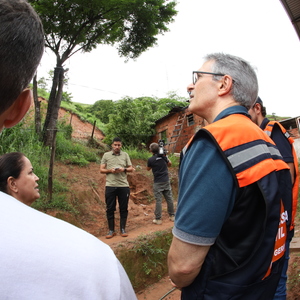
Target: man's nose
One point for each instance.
(190, 87)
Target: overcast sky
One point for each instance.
(258, 30)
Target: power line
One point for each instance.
(93, 88)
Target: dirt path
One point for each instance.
(133, 234)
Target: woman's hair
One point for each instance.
(11, 164)
(245, 84)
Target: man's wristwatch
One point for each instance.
(125, 170)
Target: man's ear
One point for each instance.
(225, 85)
(257, 108)
(17, 111)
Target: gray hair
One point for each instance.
(154, 147)
(245, 85)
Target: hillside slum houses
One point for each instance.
(179, 125)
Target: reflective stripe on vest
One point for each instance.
(279, 247)
(252, 155)
(268, 130)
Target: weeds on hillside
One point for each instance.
(23, 138)
(149, 253)
(82, 113)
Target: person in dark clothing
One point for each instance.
(159, 165)
(284, 143)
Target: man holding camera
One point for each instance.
(159, 164)
(115, 164)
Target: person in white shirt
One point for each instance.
(42, 257)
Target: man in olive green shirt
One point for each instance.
(115, 164)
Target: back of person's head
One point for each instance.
(263, 108)
(11, 165)
(245, 84)
(154, 148)
(21, 48)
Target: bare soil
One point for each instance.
(86, 186)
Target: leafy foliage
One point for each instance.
(134, 119)
(80, 25)
(149, 252)
(102, 109)
(23, 138)
(71, 152)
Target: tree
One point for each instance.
(37, 107)
(133, 120)
(80, 25)
(102, 109)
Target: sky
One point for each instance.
(259, 31)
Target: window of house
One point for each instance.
(163, 136)
(190, 120)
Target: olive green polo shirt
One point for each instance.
(111, 161)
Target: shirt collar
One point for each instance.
(112, 153)
(236, 109)
(264, 123)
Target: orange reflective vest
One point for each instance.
(253, 238)
(268, 130)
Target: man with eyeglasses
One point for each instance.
(232, 214)
(284, 143)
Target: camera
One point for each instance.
(161, 150)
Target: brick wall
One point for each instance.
(166, 129)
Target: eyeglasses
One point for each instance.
(196, 77)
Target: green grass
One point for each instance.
(81, 111)
(149, 253)
(22, 138)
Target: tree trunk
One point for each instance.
(51, 166)
(53, 106)
(37, 108)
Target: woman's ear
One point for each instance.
(19, 108)
(11, 185)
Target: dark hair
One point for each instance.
(117, 139)
(263, 111)
(263, 108)
(21, 48)
(11, 164)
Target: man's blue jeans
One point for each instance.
(281, 288)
